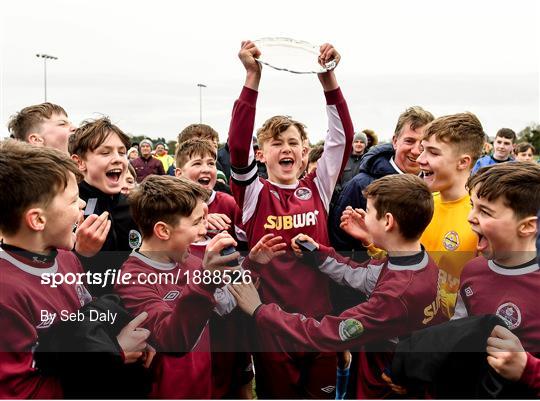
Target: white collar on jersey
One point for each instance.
(26, 268)
(153, 263)
(423, 263)
(393, 164)
(512, 272)
(212, 198)
(285, 186)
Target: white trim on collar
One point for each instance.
(512, 272)
(35, 271)
(285, 186)
(423, 263)
(395, 166)
(153, 263)
(212, 198)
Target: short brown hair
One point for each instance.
(518, 183)
(315, 153)
(92, 133)
(164, 198)
(524, 146)
(415, 116)
(30, 176)
(201, 131)
(462, 130)
(407, 198)
(507, 133)
(30, 119)
(276, 125)
(194, 147)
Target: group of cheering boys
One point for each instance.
(170, 224)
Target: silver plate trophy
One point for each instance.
(296, 56)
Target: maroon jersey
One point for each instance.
(178, 314)
(288, 210)
(531, 375)
(510, 293)
(396, 306)
(28, 306)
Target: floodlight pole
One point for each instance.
(45, 57)
(200, 101)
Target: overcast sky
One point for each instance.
(139, 62)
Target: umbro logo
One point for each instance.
(171, 295)
(328, 389)
(468, 291)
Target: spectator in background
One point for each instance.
(314, 155)
(44, 124)
(524, 152)
(372, 139)
(488, 146)
(306, 148)
(132, 153)
(353, 164)
(146, 164)
(502, 149)
(224, 160)
(398, 157)
(163, 156)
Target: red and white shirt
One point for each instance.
(28, 306)
(510, 293)
(288, 210)
(178, 314)
(396, 306)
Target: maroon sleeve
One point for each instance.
(241, 128)
(531, 375)
(381, 317)
(243, 164)
(174, 327)
(18, 377)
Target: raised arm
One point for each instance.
(338, 141)
(244, 174)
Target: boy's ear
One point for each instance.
(528, 226)
(178, 172)
(162, 231)
(259, 155)
(80, 162)
(35, 139)
(464, 162)
(35, 219)
(389, 222)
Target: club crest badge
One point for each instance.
(135, 239)
(303, 193)
(349, 329)
(451, 241)
(511, 315)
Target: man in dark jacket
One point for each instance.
(146, 164)
(353, 164)
(399, 157)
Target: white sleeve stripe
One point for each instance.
(251, 198)
(329, 165)
(362, 279)
(460, 311)
(246, 176)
